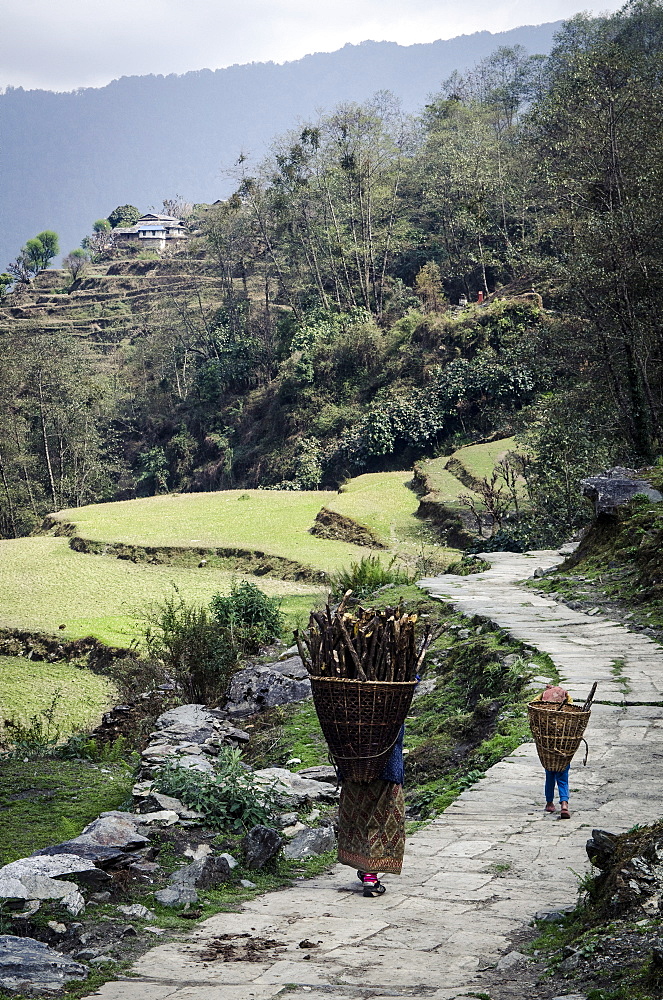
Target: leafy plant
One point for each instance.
(365, 576)
(251, 617)
(196, 649)
(39, 737)
(233, 799)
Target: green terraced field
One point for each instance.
(276, 522)
(383, 502)
(481, 459)
(45, 584)
(27, 688)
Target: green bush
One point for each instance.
(201, 647)
(232, 800)
(251, 617)
(365, 576)
(199, 654)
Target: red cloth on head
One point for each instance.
(554, 693)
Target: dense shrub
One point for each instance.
(201, 647)
(232, 799)
(250, 615)
(365, 576)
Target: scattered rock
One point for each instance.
(555, 914)
(102, 857)
(165, 817)
(30, 886)
(53, 866)
(601, 849)
(137, 910)
(191, 722)
(100, 897)
(290, 831)
(129, 931)
(425, 687)
(232, 863)
(615, 487)
(113, 829)
(266, 685)
(322, 772)
(206, 873)
(511, 960)
(57, 927)
(287, 819)
(176, 895)
(155, 802)
(29, 966)
(309, 842)
(294, 790)
(247, 884)
(260, 844)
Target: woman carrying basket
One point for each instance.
(559, 696)
(371, 824)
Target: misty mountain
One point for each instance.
(68, 159)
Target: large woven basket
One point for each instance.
(558, 732)
(361, 721)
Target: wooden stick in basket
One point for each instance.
(586, 707)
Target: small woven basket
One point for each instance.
(361, 721)
(558, 731)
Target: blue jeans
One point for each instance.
(562, 780)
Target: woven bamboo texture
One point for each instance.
(361, 721)
(558, 731)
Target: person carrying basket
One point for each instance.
(557, 727)
(371, 823)
(363, 668)
(558, 696)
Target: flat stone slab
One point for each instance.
(29, 966)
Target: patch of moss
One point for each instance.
(44, 802)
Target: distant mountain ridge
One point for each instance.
(70, 158)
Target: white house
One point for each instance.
(154, 232)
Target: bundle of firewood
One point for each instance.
(367, 645)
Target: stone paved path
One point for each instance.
(480, 871)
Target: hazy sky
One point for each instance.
(61, 46)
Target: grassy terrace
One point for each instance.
(272, 521)
(45, 584)
(383, 502)
(481, 459)
(28, 688)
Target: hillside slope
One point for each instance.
(109, 145)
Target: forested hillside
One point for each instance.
(312, 330)
(144, 138)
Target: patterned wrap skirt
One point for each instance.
(371, 827)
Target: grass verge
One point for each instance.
(44, 802)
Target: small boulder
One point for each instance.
(511, 960)
(294, 791)
(309, 842)
(260, 844)
(56, 865)
(205, 873)
(114, 829)
(615, 487)
(264, 686)
(601, 849)
(176, 895)
(321, 772)
(29, 966)
(137, 910)
(155, 802)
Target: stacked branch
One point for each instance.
(367, 645)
